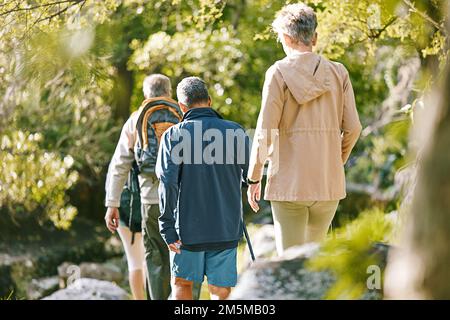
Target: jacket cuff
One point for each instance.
(256, 173)
(170, 236)
(112, 204)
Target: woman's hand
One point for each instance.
(253, 195)
(112, 219)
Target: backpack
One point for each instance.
(130, 203)
(156, 115)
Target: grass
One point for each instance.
(8, 297)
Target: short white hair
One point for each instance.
(298, 21)
(156, 85)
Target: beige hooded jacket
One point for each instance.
(307, 127)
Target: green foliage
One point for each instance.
(57, 114)
(347, 253)
(34, 179)
(437, 47)
(71, 71)
(213, 55)
(386, 152)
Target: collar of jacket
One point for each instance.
(203, 112)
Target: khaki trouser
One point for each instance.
(299, 222)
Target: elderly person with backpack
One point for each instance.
(138, 143)
(306, 129)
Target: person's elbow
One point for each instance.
(359, 128)
(356, 131)
(353, 131)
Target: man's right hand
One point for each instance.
(175, 247)
(112, 219)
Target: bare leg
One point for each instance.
(137, 284)
(219, 293)
(182, 289)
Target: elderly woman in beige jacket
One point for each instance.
(307, 127)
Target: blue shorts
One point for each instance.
(218, 266)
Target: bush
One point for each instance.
(34, 180)
(348, 253)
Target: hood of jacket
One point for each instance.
(307, 75)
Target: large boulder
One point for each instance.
(100, 271)
(287, 278)
(89, 289)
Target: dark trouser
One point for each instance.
(157, 257)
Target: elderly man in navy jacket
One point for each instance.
(202, 164)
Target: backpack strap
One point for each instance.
(134, 172)
(153, 104)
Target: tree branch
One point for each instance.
(17, 8)
(380, 31)
(425, 16)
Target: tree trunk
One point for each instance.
(420, 268)
(122, 91)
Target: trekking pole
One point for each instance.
(247, 237)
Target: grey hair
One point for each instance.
(156, 85)
(192, 90)
(298, 21)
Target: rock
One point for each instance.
(101, 271)
(119, 263)
(89, 289)
(33, 251)
(287, 278)
(283, 279)
(64, 271)
(42, 287)
(305, 251)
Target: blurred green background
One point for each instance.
(71, 72)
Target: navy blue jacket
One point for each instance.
(202, 164)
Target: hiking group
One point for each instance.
(174, 184)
